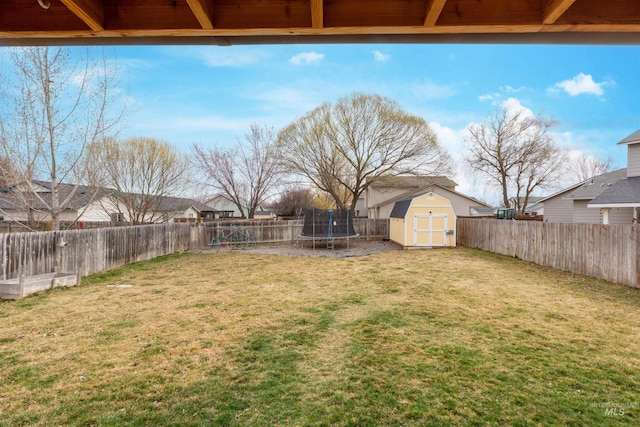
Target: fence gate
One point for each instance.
(430, 230)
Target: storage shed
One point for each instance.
(424, 220)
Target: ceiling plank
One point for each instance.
(90, 11)
(434, 8)
(554, 9)
(317, 13)
(203, 12)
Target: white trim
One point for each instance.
(430, 230)
(614, 205)
(430, 206)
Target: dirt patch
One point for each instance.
(341, 249)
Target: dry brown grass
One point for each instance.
(406, 333)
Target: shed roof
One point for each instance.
(401, 207)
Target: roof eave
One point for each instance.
(614, 205)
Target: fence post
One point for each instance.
(21, 287)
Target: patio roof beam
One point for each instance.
(91, 12)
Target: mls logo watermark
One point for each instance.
(614, 412)
(615, 409)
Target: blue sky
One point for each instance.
(210, 94)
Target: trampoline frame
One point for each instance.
(331, 236)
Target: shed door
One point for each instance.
(430, 230)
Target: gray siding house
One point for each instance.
(383, 193)
(621, 201)
(610, 198)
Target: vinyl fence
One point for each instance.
(92, 251)
(610, 252)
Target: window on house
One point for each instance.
(117, 217)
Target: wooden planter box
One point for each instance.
(23, 286)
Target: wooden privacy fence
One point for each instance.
(289, 231)
(609, 252)
(89, 251)
(92, 251)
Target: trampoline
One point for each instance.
(328, 225)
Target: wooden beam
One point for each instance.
(203, 11)
(90, 11)
(434, 8)
(336, 31)
(317, 13)
(554, 9)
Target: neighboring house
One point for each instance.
(533, 208)
(609, 198)
(92, 204)
(621, 201)
(484, 212)
(263, 215)
(19, 203)
(382, 194)
(571, 204)
(385, 188)
(226, 206)
(229, 209)
(173, 208)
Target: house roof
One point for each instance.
(85, 195)
(425, 189)
(624, 192)
(179, 204)
(634, 138)
(590, 188)
(412, 181)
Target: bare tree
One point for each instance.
(140, 174)
(247, 174)
(56, 105)
(516, 152)
(7, 173)
(585, 166)
(340, 147)
(293, 201)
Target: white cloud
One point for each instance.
(513, 106)
(489, 97)
(453, 142)
(495, 96)
(381, 57)
(510, 89)
(307, 58)
(582, 83)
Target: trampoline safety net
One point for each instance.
(328, 223)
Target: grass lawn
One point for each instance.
(434, 337)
